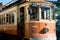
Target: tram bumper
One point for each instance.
(49, 38)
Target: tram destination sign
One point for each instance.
(34, 4)
(41, 4)
(45, 5)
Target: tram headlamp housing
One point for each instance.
(34, 26)
(44, 30)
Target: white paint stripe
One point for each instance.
(49, 38)
(44, 35)
(44, 21)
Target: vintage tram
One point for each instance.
(30, 20)
(40, 21)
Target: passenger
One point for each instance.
(21, 25)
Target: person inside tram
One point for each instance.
(21, 25)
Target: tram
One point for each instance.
(31, 20)
(40, 21)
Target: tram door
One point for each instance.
(21, 23)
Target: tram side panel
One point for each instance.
(40, 30)
(43, 30)
(27, 34)
(10, 29)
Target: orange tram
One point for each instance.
(30, 20)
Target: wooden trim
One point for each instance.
(50, 14)
(26, 13)
(43, 20)
(39, 13)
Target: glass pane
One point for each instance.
(7, 15)
(7, 21)
(7, 18)
(44, 11)
(0, 20)
(52, 12)
(12, 18)
(33, 12)
(47, 13)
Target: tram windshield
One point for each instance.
(47, 12)
(33, 12)
(53, 12)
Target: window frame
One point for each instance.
(4, 18)
(36, 17)
(9, 18)
(45, 13)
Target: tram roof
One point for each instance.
(10, 4)
(55, 2)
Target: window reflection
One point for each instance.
(33, 12)
(52, 12)
(10, 18)
(7, 18)
(45, 11)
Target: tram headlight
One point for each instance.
(44, 30)
(33, 29)
(34, 26)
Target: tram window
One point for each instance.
(7, 15)
(3, 18)
(9, 18)
(47, 13)
(12, 18)
(33, 12)
(44, 11)
(52, 12)
(0, 20)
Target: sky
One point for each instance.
(53, 0)
(6, 1)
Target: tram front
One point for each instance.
(40, 23)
